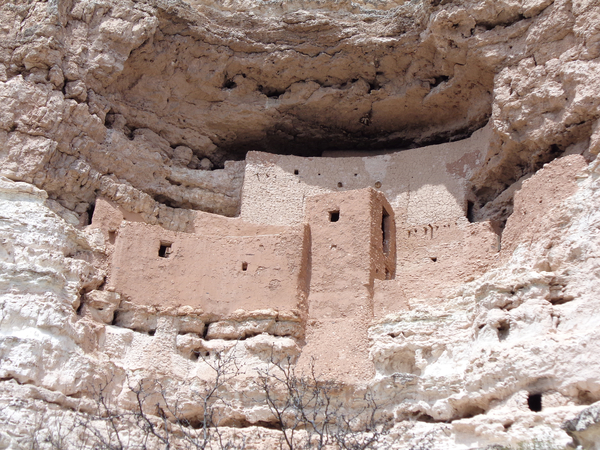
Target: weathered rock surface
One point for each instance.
(110, 98)
(145, 103)
(480, 353)
(584, 428)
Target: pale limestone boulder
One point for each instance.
(585, 428)
(182, 155)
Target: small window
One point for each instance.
(296, 172)
(90, 213)
(244, 266)
(165, 249)
(334, 216)
(471, 211)
(340, 184)
(534, 401)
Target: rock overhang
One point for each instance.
(300, 81)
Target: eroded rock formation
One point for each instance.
(127, 124)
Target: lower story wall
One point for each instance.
(433, 259)
(153, 266)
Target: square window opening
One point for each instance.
(165, 249)
(334, 216)
(534, 401)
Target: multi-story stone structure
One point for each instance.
(325, 253)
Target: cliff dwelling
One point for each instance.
(283, 225)
(317, 241)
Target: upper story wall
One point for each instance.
(353, 243)
(353, 239)
(425, 185)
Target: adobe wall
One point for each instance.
(225, 266)
(349, 251)
(437, 247)
(436, 257)
(547, 189)
(108, 217)
(424, 185)
(433, 258)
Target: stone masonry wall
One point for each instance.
(423, 186)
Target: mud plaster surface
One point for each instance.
(423, 186)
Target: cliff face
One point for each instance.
(128, 99)
(153, 105)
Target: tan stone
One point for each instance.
(152, 266)
(423, 186)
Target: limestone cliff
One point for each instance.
(484, 338)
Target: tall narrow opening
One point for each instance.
(386, 230)
(471, 211)
(90, 213)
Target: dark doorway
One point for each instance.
(386, 231)
(534, 401)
